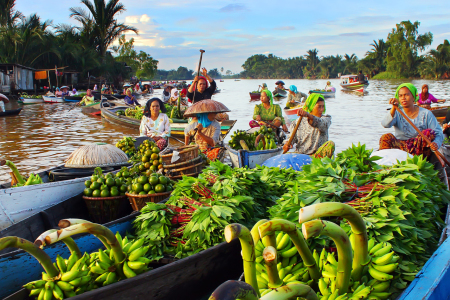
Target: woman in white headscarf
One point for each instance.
(173, 96)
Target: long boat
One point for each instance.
(177, 127)
(291, 113)
(11, 112)
(53, 99)
(439, 111)
(355, 85)
(73, 98)
(324, 93)
(255, 96)
(25, 100)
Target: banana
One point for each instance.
(145, 260)
(282, 274)
(370, 244)
(71, 275)
(363, 293)
(261, 285)
(294, 277)
(259, 259)
(373, 282)
(364, 280)
(287, 277)
(81, 281)
(124, 241)
(102, 277)
(285, 262)
(41, 294)
(127, 271)
(71, 261)
(279, 267)
(383, 251)
(333, 286)
(259, 246)
(138, 253)
(69, 294)
(258, 267)
(97, 270)
(382, 296)
(297, 266)
(127, 247)
(283, 242)
(57, 293)
(260, 279)
(80, 290)
(342, 297)
(385, 268)
(35, 284)
(322, 259)
(383, 260)
(334, 295)
(316, 257)
(289, 253)
(104, 258)
(265, 276)
(279, 237)
(65, 286)
(112, 277)
(102, 265)
(323, 287)
(381, 287)
(326, 297)
(295, 282)
(380, 276)
(136, 265)
(35, 292)
(375, 248)
(293, 260)
(45, 276)
(78, 265)
(288, 269)
(331, 259)
(48, 294)
(61, 264)
(305, 277)
(266, 292)
(328, 274)
(330, 268)
(137, 244)
(119, 238)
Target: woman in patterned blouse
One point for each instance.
(267, 112)
(155, 123)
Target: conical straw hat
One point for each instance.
(205, 106)
(96, 155)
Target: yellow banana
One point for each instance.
(259, 268)
(45, 276)
(382, 296)
(288, 269)
(41, 294)
(358, 288)
(323, 287)
(261, 285)
(71, 261)
(287, 277)
(65, 286)
(279, 237)
(102, 265)
(127, 271)
(282, 274)
(265, 276)
(334, 295)
(316, 257)
(383, 251)
(333, 286)
(342, 297)
(144, 260)
(383, 260)
(297, 266)
(381, 287)
(331, 259)
(127, 247)
(261, 279)
(102, 277)
(137, 244)
(283, 242)
(61, 264)
(376, 248)
(71, 275)
(322, 258)
(380, 276)
(112, 277)
(136, 265)
(81, 281)
(305, 277)
(289, 253)
(330, 268)
(124, 241)
(97, 270)
(279, 267)
(35, 284)
(363, 293)
(57, 293)
(119, 238)
(266, 292)
(138, 253)
(370, 244)
(385, 268)
(104, 258)
(35, 292)
(293, 260)
(328, 274)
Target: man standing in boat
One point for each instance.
(361, 77)
(202, 91)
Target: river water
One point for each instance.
(44, 135)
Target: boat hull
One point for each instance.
(51, 99)
(355, 86)
(244, 158)
(292, 113)
(12, 112)
(255, 96)
(32, 100)
(439, 111)
(73, 98)
(325, 94)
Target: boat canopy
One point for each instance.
(348, 76)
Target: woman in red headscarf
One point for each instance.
(202, 90)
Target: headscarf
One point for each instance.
(129, 90)
(264, 85)
(173, 93)
(411, 88)
(204, 78)
(74, 91)
(311, 102)
(293, 88)
(147, 111)
(88, 92)
(203, 119)
(424, 96)
(268, 94)
(58, 89)
(328, 83)
(279, 82)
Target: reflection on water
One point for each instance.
(44, 135)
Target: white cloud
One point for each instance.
(144, 18)
(131, 20)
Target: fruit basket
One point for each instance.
(185, 153)
(106, 209)
(139, 201)
(191, 167)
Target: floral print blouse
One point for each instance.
(160, 127)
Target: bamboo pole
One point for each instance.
(293, 134)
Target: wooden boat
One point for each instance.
(291, 113)
(30, 100)
(11, 112)
(244, 158)
(255, 96)
(325, 94)
(53, 99)
(355, 85)
(439, 111)
(177, 127)
(221, 80)
(189, 278)
(72, 98)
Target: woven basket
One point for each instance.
(96, 155)
(106, 209)
(139, 201)
(189, 168)
(185, 153)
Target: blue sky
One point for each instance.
(231, 31)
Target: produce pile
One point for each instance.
(199, 208)
(66, 278)
(263, 139)
(153, 184)
(256, 92)
(148, 154)
(135, 112)
(279, 264)
(19, 179)
(25, 95)
(107, 185)
(126, 144)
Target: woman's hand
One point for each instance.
(199, 127)
(285, 128)
(434, 146)
(441, 101)
(393, 102)
(445, 127)
(204, 72)
(258, 118)
(287, 147)
(302, 113)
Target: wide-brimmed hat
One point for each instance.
(279, 82)
(205, 106)
(6, 100)
(126, 85)
(64, 87)
(170, 85)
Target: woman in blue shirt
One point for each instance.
(406, 137)
(130, 99)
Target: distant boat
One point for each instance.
(237, 80)
(10, 112)
(53, 99)
(324, 93)
(30, 100)
(351, 83)
(255, 96)
(221, 80)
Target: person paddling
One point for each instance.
(202, 90)
(130, 99)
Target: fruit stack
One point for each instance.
(107, 185)
(153, 184)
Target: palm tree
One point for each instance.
(378, 54)
(102, 17)
(312, 60)
(350, 62)
(9, 16)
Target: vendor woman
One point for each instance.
(295, 97)
(312, 134)
(267, 112)
(202, 90)
(130, 99)
(88, 99)
(426, 99)
(205, 130)
(406, 137)
(155, 123)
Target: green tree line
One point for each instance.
(397, 57)
(86, 47)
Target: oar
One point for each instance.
(198, 71)
(292, 135)
(439, 154)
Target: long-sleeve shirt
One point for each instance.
(270, 114)
(130, 100)
(160, 127)
(207, 93)
(404, 131)
(298, 97)
(212, 131)
(431, 99)
(87, 100)
(310, 137)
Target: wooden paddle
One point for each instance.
(439, 154)
(293, 134)
(198, 73)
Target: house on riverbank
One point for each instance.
(15, 77)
